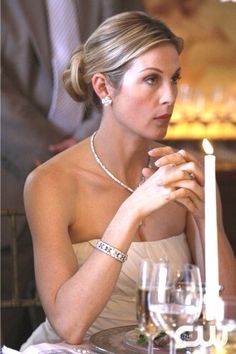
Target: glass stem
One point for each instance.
(172, 346)
(150, 346)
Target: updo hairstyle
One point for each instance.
(110, 48)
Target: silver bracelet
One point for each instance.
(111, 251)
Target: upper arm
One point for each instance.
(49, 204)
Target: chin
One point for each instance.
(158, 135)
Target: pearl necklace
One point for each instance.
(105, 169)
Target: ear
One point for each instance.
(100, 85)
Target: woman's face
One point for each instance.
(145, 101)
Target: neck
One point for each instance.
(124, 156)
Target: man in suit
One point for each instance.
(29, 136)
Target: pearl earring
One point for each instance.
(106, 101)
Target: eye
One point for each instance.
(176, 78)
(151, 79)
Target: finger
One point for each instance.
(194, 171)
(173, 158)
(174, 175)
(177, 157)
(182, 178)
(188, 156)
(161, 151)
(147, 172)
(187, 203)
(195, 209)
(186, 175)
(189, 188)
(185, 171)
(185, 193)
(191, 175)
(189, 199)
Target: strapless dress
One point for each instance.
(120, 309)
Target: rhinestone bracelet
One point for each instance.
(111, 251)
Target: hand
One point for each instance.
(185, 177)
(152, 194)
(63, 145)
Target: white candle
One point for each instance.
(211, 241)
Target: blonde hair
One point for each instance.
(117, 41)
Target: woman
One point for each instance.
(121, 186)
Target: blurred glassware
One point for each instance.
(227, 324)
(145, 322)
(200, 113)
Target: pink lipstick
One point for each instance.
(163, 117)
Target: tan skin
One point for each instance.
(70, 199)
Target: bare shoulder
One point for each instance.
(59, 169)
(47, 176)
(53, 186)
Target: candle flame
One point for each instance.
(207, 146)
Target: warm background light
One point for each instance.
(206, 104)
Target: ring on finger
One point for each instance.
(191, 175)
(180, 153)
(181, 157)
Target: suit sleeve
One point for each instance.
(26, 131)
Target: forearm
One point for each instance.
(227, 261)
(72, 297)
(91, 286)
(227, 265)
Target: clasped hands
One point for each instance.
(176, 176)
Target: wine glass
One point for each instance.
(175, 297)
(145, 322)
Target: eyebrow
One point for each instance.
(160, 71)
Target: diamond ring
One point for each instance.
(191, 175)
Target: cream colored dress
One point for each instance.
(120, 309)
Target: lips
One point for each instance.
(163, 117)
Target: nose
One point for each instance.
(168, 93)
